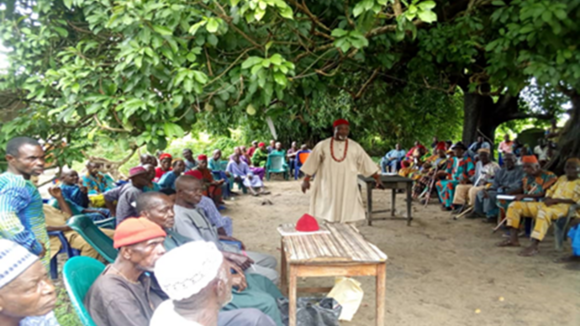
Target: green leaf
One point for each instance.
(251, 61)
(162, 30)
(259, 14)
(427, 5)
(287, 13)
(358, 9)
(428, 16)
(68, 3)
(193, 29)
(234, 2)
(166, 52)
(561, 14)
(212, 25)
(212, 39)
(191, 57)
(276, 59)
(200, 77)
(547, 16)
(498, 3)
(250, 110)
(63, 32)
(280, 78)
(188, 85)
(338, 32)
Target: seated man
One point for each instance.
(127, 292)
(190, 162)
(278, 150)
(139, 178)
(260, 293)
(197, 292)
(507, 181)
(240, 171)
(458, 171)
(476, 146)
(485, 171)
(97, 183)
(112, 196)
(534, 184)
(393, 159)
(260, 156)
(556, 204)
(78, 198)
(56, 221)
(167, 181)
(27, 296)
(192, 223)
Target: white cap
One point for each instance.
(188, 269)
(14, 260)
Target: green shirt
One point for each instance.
(260, 158)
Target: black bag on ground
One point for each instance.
(312, 311)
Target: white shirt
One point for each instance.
(165, 315)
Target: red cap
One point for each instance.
(138, 170)
(165, 155)
(340, 122)
(441, 145)
(261, 145)
(307, 223)
(135, 230)
(195, 173)
(532, 159)
(202, 157)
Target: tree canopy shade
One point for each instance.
(141, 72)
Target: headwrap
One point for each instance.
(136, 230)
(459, 145)
(202, 157)
(339, 122)
(261, 145)
(14, 260)
(530, 159)
(194, 173)
(573, 160)
(138, 170)
(164, 156)
(484, 150)
(181, 280)
(441, 146)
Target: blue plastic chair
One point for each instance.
(79, 275)
(299, 161)
(276, 163)
(64, 249)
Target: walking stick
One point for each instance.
(430, 188)
(468, 210)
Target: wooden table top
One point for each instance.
(336, 243)
(385, 178)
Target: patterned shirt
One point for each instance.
(534, 185)
(460, 169)
(98, 184)
(46, 320)
(21, 216)
(565, 189)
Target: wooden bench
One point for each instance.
(338, 250)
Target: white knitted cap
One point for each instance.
(188, 269)
(14, 260)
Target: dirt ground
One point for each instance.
(439, 271)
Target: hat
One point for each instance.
(188, 269)
(261, 144)
(531, 159)
(135, 230)
(307, 223)
(459, 145)
(194, 173)
(14, 260)
(339, 122)
(573, 160)
(164, 156)
(138, 170)
(202, 157)
(484, 150)
(441, 146)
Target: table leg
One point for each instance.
(393, 198)
(370, 203)
(292, 297)
(381, 292)
(283, 270)
(409, 201)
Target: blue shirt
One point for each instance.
(167, 181)
(396, 154)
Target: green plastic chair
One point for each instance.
(84, 226)
(108, 223)
(276, 164)
(79, 274)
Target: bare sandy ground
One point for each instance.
(439, 271)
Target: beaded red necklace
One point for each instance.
(332, 150)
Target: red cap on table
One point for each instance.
(307, 223)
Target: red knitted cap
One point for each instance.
(135, 230)
(307, 223)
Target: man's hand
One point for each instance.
(55, 192)
(83, 189)
(550, 201)
(239, 282)
(305, 185)
(220, 182)
(519, 197)
(244, 262)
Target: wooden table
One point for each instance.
(394, 182)
(342, 251)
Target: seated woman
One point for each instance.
(165, 162)
(460, 169)
(213, 188)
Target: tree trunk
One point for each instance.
(481, 117)
(569, 143)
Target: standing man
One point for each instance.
(337, 161)
(21, 216)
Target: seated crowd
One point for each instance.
(178, 261)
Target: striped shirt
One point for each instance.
(21, 216)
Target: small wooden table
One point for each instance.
(393, 182)
(342, 251)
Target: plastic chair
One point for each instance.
(95, 237)
(301, 157)
(79, 275)
(561, 227)
(108, 223)
(64, 249)
(276, 164)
